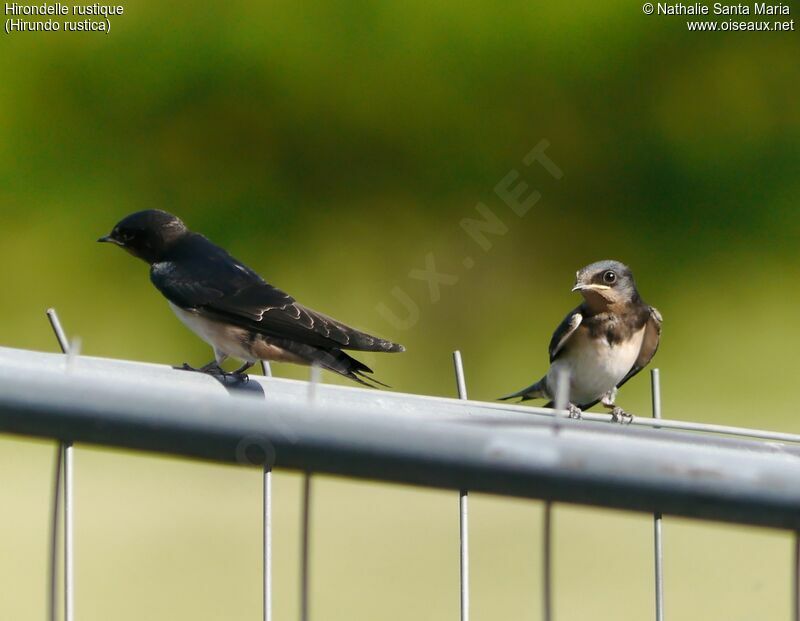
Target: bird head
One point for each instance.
(606, 283)
(147, 234)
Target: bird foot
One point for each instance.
(618, 415)
(211, 367)
(574, 412)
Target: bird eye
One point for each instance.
(609, 277)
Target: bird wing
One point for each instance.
(204, 277)
(652, 336)
(270, 311)
(564, 331)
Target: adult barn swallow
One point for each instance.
(602, 343)
(232, 308)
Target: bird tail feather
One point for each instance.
(339, 362)
(537, 390)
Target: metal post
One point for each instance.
(655, 382)
(65, 452)
(267, 524)
(462, 503)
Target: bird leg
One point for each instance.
(574, 411)
(618, 415)
(240, 372)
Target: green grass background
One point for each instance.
(332, 147)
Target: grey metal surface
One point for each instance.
(388, 436)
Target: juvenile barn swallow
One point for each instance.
(602, 343)
(232, 308)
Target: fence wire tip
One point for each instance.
(314, 378)
(461, 383)
(562, 389)
(55, 323)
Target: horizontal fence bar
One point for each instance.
(379, 435)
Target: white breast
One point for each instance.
(594, 365)
(231, 342)
(227, 340)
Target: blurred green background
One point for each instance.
(332, 147)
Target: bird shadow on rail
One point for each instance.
(238, 385)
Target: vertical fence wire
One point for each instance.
(462, 504)
(267, 525)
(52, 568)
(547, 562)
(305, 534)
(796, 579)
(61, 336)
(655, 384)
(305, 548)
(64, 459)
(267, 605)
(69, 540)
(561, 403)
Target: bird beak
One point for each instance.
(108, 239)
(589, 287)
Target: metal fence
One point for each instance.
(651, 465)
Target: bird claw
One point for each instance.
(618, 415)
(574, 412)
(236, 377)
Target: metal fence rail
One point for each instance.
(446, 443)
